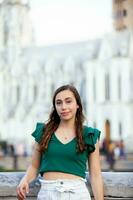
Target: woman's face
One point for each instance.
(66, 105)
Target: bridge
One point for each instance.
(117, 185)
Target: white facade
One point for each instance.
(102, 71)
(110, 87)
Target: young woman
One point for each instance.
(62, 148)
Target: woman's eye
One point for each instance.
(58, 103)
(69, 101)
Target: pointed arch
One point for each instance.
(107, 86)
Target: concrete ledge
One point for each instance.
(118, 185)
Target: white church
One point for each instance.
(102, 71)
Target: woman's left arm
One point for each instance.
(95, 174)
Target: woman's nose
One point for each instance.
(63, 106)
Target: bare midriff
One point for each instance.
(59, 175)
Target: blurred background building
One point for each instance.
(102, 71)
(123, 14)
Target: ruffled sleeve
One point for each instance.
(91, 136)
(38, 132)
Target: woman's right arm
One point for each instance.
(31, 173)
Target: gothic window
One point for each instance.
(107, 87)
(124, 13)
(94, 124)
(119, 87)
(17, 94)
(5, 35)
(94, 88)
(52, 88)
(83, 94)
(35, 92)
(120, 129)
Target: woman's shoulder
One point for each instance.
(38, 132)
(89, 129)
(40, 124)
(90, 133)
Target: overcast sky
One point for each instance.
(61, 21)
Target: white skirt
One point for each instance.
(63, 189)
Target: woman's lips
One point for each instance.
(64, 113)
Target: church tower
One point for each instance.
(15, 34)
(15, 25)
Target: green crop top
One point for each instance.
(63, 157)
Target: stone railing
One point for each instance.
(117, 185)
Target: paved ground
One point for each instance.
(120, 165)
(22, 163)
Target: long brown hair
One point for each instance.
(54, 120)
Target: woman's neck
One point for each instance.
(70, 124)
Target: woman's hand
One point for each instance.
(22, 190)
(31, 173)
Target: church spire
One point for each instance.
(18, 30)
